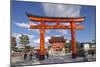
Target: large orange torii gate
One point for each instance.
(42, 26)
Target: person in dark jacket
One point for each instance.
(25, 56)
(92, 53)
(47, 54)
(31, 56)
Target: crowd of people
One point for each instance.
(26, 55)
(36, 54)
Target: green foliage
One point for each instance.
(32, 48)
(67, 47)
(29, 48)
(24, 39)
(15, 49)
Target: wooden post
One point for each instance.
(73, 42)
(42, 42)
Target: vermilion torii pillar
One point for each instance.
(73, 42)
(42, 26)
(42, 41)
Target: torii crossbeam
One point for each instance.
(42, 26)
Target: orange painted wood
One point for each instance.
(56, 27)
(42, 40)
(73, 41)
(54, 19)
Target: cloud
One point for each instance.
(59, 32)
(61, 10)
(38, 40)
(16, 35)
(22, 25)
(34, 30)
(63, 32)
(25, 25)
(46, 38)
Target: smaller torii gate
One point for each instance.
(42, 26)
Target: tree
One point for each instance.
(24, 39)
(67, 47)
(32, 48)
(28, 48)
(13, 43)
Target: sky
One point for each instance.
(20, 21)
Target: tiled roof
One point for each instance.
(57, 39)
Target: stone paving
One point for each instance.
(51, 60)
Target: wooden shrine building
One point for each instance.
(57, 45)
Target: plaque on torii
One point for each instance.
(42, 26)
